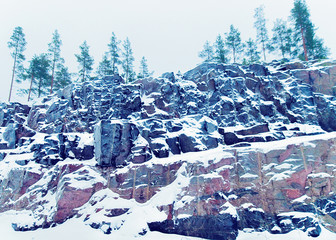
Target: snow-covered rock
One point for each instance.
(218, 152)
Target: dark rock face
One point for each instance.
(259, 70)
(57, 148)
(223, 226)
(262, 128)
(231, 138)
(326, 112)
(79, 107)
(113, 142)
(9, 135)
(13, 112)
(163, 110)
(188, 144)
(226, 108)
(255, 218)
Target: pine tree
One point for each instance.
(114, 51)
(54, 48)
(220, 50)
(260, 25)
(144, 72)
(31, 73)
(207, 52)
(303, 25)
(105, 67)
(62, 77)
(320, 51)
(17, 45)
(233, 41)
(282, 39)
(305, 32)
(127, 61)
(85, 61)
(251, 51)
(38, 72)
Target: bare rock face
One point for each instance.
(113, 142)
(59, 191)
(221, 149)
(162, 111)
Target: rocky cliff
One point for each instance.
(221, 150)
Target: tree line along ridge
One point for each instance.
(47, 72)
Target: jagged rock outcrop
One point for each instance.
(218, 150)
(113, 142)
(164, 109)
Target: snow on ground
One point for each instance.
(73, 229)
(293, 235)
(205, 157)
(282, 144)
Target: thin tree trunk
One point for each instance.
(234, 55)
(31, 84)
(126, 76)
(83, 71)
(13, 75)
(113, 66)
(304, 45)
(52, 77)
(264, 51)
(282, 47)
(39, 88)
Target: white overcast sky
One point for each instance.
(169, 33)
